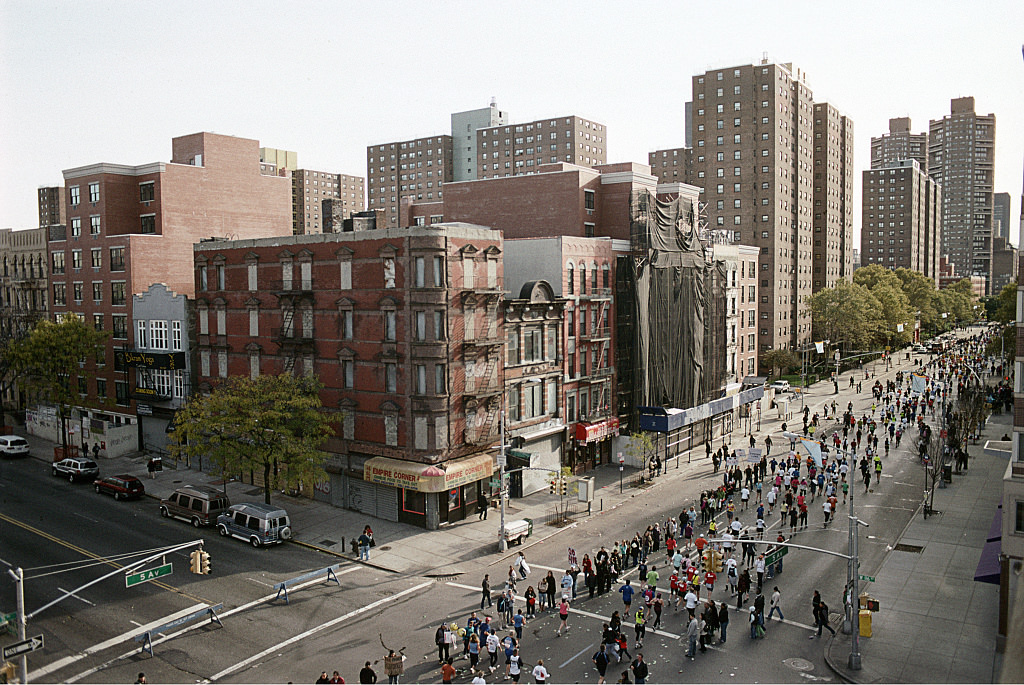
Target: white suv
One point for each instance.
(780, 386)
(13, 446)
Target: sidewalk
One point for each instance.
(936, 623)
(467, 545)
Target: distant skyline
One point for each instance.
(85, 82)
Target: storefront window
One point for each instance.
(414, 502)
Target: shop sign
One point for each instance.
(592, 432)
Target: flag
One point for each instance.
(918, 383)
(813, 448)
(820, 347)
(899, 328)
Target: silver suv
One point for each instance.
(13, 446)
(76, 468)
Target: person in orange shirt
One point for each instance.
(447, 671)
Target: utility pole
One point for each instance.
(19, 586)
(502, 542)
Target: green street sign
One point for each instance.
(8, 618)
(148, 575)
(776, 555)
(870, 579)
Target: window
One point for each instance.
(96, 257)
(60, 294)
(419, 275)
(101, 386)
(78, 288)
(569, 285)
(420, 332)
(588, 199)
(179, 382)
(117, 296)
(440, 387)
(203, 283)
(94, 225)
(158, 335)
(421, 378)
(440, 333)
(389, 325)
(148, 223)
(220, 277)
(97, 291)
(222, 363)
(140, 334)
(117, 259)
(389, 272)
(120, 322)
(57, 261)
(146, 191)
(76, 259)
(176, 345)
(94, 192)
(390, 377)
(76, 195)
(76, 227)
(438, 272)
(121, 392)
(348, 373)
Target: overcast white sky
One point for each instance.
(87, 81)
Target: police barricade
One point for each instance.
(282, 587)
(147, 637)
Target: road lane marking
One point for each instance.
(182, 631)
(576, 656)
(85, 517)
(312, 631)
(260, 582)
(81, 599)
(39, 673)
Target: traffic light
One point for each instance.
(705, 559)
(195, 565)
(716, 561)
(204, 562)
(552, 483)
(7, 672)
(564, 487)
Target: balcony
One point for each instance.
(289, 336)
(596, 334)
(296, 286)
(596, 294)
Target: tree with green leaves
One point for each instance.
(1003, 307)
(848, 315)
(779, 359)
(55, 361)
(274, 424)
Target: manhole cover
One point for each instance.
(798, 664)
(445, 578)
(900, 547)
(385, 548)
(328, 543)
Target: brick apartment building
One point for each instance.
(740, 262)
(902, 218)
(403, 327)
(414, 170)
(899, 144)
(313, 190)
(833, 197)
(23, 286)
(129, 227)
(52, 207)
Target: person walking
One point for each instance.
(364, 546)
(823, 620)
(627, 592)
(600, 660)
(640, 627)
(563, 616)
(485, 592)
(776, 604)
(692, 632)
(481, 507)
(639, 668)
(723, 619)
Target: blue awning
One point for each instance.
(988, 565)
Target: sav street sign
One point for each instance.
(776, 555)
(23, 647)
(148, 575)
(870, 579)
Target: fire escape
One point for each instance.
(482, 352)
(595, 335)
(294, 342)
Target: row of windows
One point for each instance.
(153, 335)
(60, 293)
(57, 260)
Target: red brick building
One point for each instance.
(403, 327)
(129, 227)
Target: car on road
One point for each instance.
(199, 505)
(920, 349)
(781, 386)
(76, 468)
(13, 446)
(121, 487)
(257, 523)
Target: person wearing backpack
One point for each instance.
(600, 660)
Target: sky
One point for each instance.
(87, 81)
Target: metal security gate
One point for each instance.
(386, 503)
(362, 496)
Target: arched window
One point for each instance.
(569, 284)
(605, 276)
(583, 278)
(593, 277)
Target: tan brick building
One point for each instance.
(899, 144)
(411, 170)
(52, 207)
(833, 196)
(309, 191)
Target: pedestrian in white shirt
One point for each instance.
(540, 674)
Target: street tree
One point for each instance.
(779, 359)
(273, 424)
(55, 363)
(894, 307)
(847, 314)
(1003, 307)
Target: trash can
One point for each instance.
(947, 473)
(529, 527)
(865, 622)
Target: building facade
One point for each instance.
(740, 262)
(901, 217)
(1001, 215)
(833, 196)
(1004, 264)
(52, 206)
(403, 327)
(23, 284)
(899, 144)
(511, 150)
(464, 139)
(961, 158)
(673, 165)
(313, 191)
(411, 171)
(754, 156)
(132, 226)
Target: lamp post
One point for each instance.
(502, 542)
(622, 462)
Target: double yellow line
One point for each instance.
(92, 555)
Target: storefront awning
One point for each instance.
(599, 430)
(427, 477)
(988, 565)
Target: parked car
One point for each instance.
(780, 386)
(76, 468)
(920, 349)
(121, 487)
(13, 446)
(259, 524)
(199, 505)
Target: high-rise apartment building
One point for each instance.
(961, 157)
(833, 196)
(511, 150)
(52, 207)
(274, 162)
(674, 165)
(410, 170)
(1004, 264)
(311, 188)
(899, 144)
(901, 218)
(1001, 215)
(464, 143)
(753, 134)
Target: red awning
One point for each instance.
(599, 430)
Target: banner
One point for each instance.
(918, 383)
(899, 328)
(754, 455)
(820, 347)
